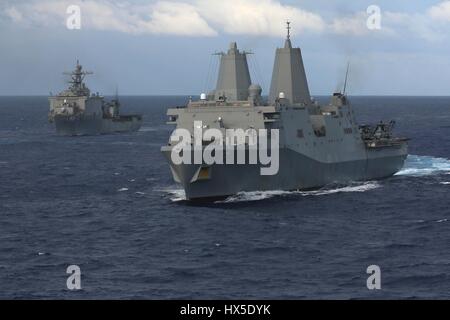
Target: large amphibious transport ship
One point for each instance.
(318, 144)
(76, 111)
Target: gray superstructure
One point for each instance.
(76, 111)
(318, 145)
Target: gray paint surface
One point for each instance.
(234, 77)
(76, 111)
(319, 145)
(289, 76)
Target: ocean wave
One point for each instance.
(175, 195)
(255, 196)
(261, 195)
(362, 187)
(424, 165)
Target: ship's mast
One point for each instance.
(288, 27)
(233, 79)
(77, 77)
(288, 76)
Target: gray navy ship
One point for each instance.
(76, 111)
(318, 144)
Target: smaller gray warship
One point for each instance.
(76, 111)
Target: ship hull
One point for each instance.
(296, 172)
(92, 125)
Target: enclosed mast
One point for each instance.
(234, 77)
(289, 75)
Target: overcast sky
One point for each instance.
(164, 47)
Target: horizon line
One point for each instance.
(194, 95)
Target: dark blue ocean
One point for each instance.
(108, 204)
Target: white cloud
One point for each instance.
(211, 17)
(351, 25)
(397, 24)
(258, 17)
(189, 18)
(440, 12)
(162, 17)
(14, 14)
(176, 18)
(417, 24)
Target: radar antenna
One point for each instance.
(288, 27)
(77, 76)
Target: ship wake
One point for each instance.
(175, 195)
(418, 166)
(262, 195)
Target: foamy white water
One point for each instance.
(174, 194)
(363, 187)
(261, 195)
(178, 195)
(424, 165)
(255, 196)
